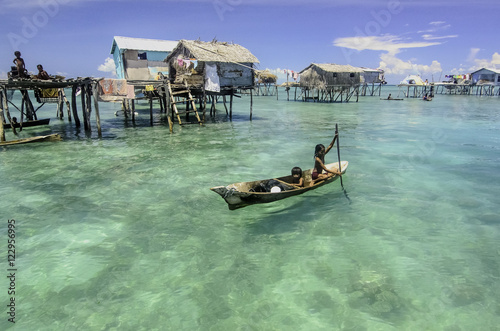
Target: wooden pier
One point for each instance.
(48, 91)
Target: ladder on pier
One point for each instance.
(185, 96)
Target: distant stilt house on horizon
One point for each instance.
(139, 58)
(415, 87)
(373, 77)
(266, 82)
(330, 82)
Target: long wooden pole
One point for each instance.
(251, 104)
(338, 153)
(6, 110)
(84, 108)
(96, 106)
(73, 106)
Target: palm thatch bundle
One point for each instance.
(265, 77)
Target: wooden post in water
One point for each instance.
(84, 107)
(96, 106)
(224, 101)
(59, 112)
(73, 106)
(6, 111)
(251, 104)
(151, 108)
(65, 100)
(231, 105)
(89, 104)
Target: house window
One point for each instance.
(334, 75)
(498, 79)
(351, 75)
(142, 56)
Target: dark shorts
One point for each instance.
(314, 175)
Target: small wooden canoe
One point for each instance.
(26, 124)
(243, 194)
(391, 99)
(50, 137)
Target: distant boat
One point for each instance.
(243, 194)
(26, 124)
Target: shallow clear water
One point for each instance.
(123, 232)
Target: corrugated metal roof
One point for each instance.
(487, 69)
(143, 44)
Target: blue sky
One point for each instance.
(430, 38)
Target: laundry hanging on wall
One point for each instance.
(212, 82)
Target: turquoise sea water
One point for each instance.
(123, 233)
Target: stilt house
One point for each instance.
(140, 59)
(214, 67)
(328, 75)
(485, 76)
(330, 82)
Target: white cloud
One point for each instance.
(108, 66)
(393, 65)
(392, 45)
(431, 37)
(389, 43)
(493, 63)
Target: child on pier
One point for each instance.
(19, 62)
(42, 74)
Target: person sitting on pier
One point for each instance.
(42, 74)
(19, 62)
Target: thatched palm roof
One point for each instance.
(265, 76)
(331, 67)
(215, 52)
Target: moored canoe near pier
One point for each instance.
(243, 194)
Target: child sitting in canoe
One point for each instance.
(319, 163)
(297, 179)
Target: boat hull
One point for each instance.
(26, 124)
(243, 194)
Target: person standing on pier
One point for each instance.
(19, 62)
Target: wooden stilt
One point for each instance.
(225, 106)
(251, 104)
(84, 107)
(151, 108)
(231, 105)
(65, 100)
(6, 111)
(88, 96)
(96, 106)
(73, 106)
